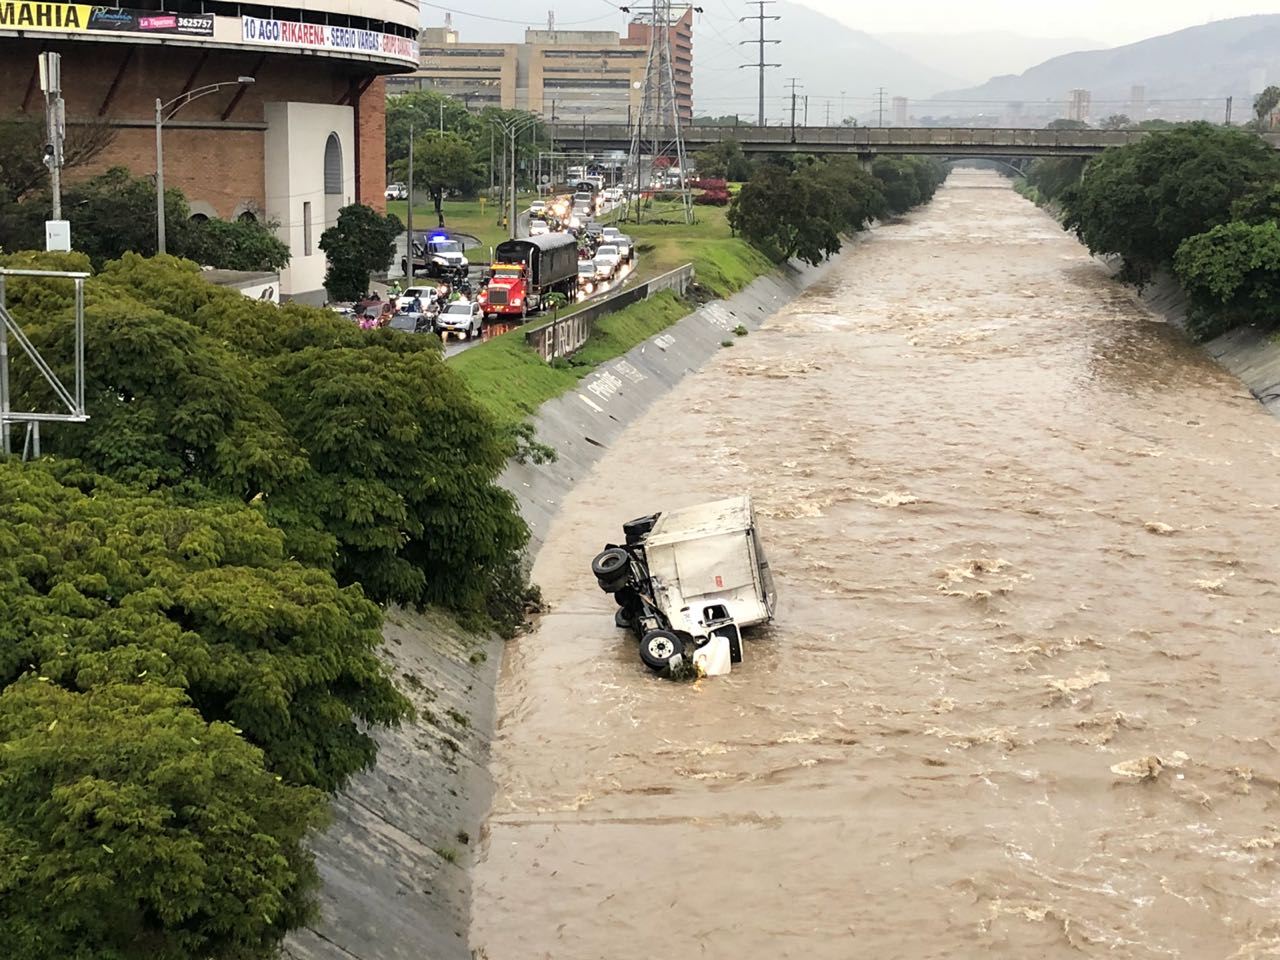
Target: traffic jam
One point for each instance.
(567, 252)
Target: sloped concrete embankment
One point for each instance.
(1247, 352)
(395, 861)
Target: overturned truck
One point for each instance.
(687, 581)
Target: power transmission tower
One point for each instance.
(792, 81)
(761, 16)
(656, 131)
(880, 96)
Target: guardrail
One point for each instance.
(560, 337)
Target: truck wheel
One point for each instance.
(621, 620)
(635, 530)
(626, 597)
(609, 564)
(658, 647)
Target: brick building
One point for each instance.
(306, 138)
(563, 74)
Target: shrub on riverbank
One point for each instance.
(801, 210)
(1197, 199)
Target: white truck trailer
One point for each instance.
(687, 582)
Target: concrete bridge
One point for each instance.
(869, 141)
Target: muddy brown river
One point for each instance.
(1020, 699)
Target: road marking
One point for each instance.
(590, 404)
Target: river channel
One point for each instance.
(1023, 534)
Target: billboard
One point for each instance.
(323, 36)
(83, 18)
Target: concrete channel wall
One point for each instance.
(395, 863)
(1247, 352)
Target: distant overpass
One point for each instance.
(868, 141)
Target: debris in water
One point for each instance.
(1155, 526)
(895, 500)
(1143, 768)
(1076, 684)
(1209, 586)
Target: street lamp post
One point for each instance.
(177, 103)
(512, 127)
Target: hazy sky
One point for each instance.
(1108, 21)
(1111, 21)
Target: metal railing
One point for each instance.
(72, 400)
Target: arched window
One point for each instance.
(199, 218)
(332, 179)
(247, 217)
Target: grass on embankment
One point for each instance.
(723, 263)
(511, 381)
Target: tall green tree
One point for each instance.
(1232, 276)
(723, 160)
(133, 829)
(361, 243)
(442, 163)
(1143, 200)
(1264, 105)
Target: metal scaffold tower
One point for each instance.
(656, 140)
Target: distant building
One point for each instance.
(899, 111)
(597, 75)
(1079, 103)
(1137, 102)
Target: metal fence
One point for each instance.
(563, 336)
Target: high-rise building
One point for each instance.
(1137, 102)
(1079, 103)
(899, 111)
(596, 75)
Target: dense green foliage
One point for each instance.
(441, 162)
(1232, 275)
(800, 210)
(362, 242)
(362, 446)
(133, 829)
(723, 160)
(114, 213)
(1143, 200)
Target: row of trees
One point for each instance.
(1197, 199)
(800, 208)
(188, 600)
(115, 212)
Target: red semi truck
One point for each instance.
(525, 271)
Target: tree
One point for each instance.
(114, 213)
(1264, 105)
(1116, 121)
(361, 243)
(106, 584)
(236, 245)
(1054, 176)
(22, 141)
(901, 188)
(133, 829)
(423, 110)
(1142, 200)
(1232, 275)
(1063, 123)
(440, 163)
(724, 160)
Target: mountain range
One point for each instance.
(1208, 63)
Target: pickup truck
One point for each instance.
(687, 581)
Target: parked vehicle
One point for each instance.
(463, 317)
(396, 191)
(525, 271)
(587, 276)
(688, 581)
(439, 255)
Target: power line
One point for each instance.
(761, 16)
(522, 23)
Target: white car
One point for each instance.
(396, 191)
(537, 207)
(609, 255)
(460, 316)
(538, 227)
(587, 276)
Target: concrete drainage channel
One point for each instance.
(395, 862)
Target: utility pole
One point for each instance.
(55, 124)
(408, 225)
(806, 110)
(1228, 121)
(442, 116)
(792, 81)
(880, 96)
(828, 123)
(761, 16)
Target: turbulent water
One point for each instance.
(1020, 697)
